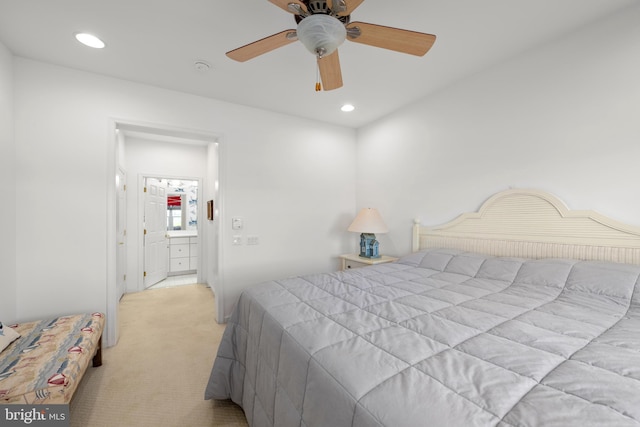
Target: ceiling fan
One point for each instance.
(322, 26)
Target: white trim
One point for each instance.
(111, 333)
(534, 224)
(218, 282)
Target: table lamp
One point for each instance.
(367, 223)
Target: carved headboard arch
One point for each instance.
(534, 224)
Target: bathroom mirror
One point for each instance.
(182, 205)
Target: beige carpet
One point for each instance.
(157, 373)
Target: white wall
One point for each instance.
(156, 159)
(561, 118)
(7, 177)
(291, 179)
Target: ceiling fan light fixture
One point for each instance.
(321, 34)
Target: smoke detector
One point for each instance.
(201, 66)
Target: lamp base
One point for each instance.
(369, 246)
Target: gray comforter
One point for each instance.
(439, 338)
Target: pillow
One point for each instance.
(7, 336)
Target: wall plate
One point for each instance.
(237, 223)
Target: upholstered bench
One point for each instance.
(46, 363)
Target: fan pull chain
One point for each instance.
(318, 84)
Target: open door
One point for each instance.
(156, 248)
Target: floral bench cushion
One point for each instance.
(45, 365)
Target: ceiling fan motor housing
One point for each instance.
(314, 7)
(317, 6)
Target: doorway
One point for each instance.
(170, 220)
(205, 167)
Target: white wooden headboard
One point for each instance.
(534, 224)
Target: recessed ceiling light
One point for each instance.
(347, 108)
(89, 40)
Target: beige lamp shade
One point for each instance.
(368, 221)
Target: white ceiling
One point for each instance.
(158, 41)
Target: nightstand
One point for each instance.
(350, 261)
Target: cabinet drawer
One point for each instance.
(348, 264)
(179, 241)
(179, 264)
(178, 251)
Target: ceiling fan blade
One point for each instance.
(262, 46)
(284, 5)
(405, 41)
(351, 6)
(330, 71)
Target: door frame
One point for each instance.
(215, 278)
(121, 273)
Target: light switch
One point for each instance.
(236, 223)
(237, 239)
(253, 240)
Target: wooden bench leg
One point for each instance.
(97, 358)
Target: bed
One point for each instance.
(521, 314)
(46, 362)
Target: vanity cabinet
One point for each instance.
(193, 253)
(183, 254)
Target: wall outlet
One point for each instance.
(253, 240)
(237, 239)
